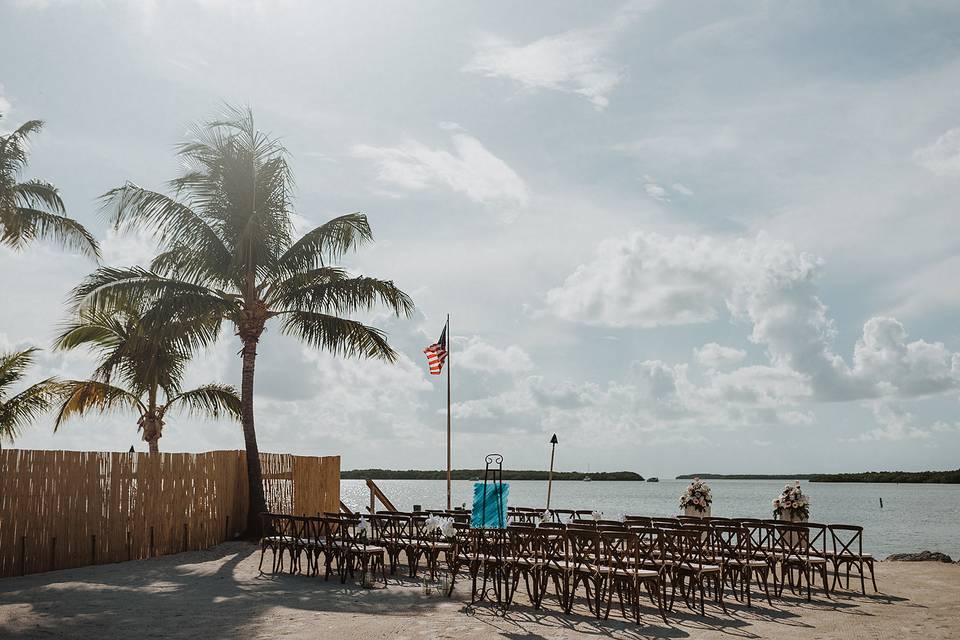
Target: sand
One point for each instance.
(218, 593)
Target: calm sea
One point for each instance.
(914, 517)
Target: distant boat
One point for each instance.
(653, 479)
(586, 479)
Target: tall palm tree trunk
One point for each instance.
(254, 473)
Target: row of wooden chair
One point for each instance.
(660, 557)
(840, 544)
(350, 544)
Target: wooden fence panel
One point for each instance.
(314, 485)
(61, 509)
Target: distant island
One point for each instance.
(471, 474)
(918, 477)
(906, 477)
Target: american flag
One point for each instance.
(437, 353)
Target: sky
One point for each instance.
(684, 237)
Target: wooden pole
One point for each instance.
(449, 350)
(553, 449)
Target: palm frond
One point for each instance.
(28, 224)
(36, 193)
(13, 366)
(13, 150)
(78, 397)
(339, 336)
(195, 265)
(209, 401)
(330, 290)
(25, 407)
(325, 243)
(113, 287)
(173, 223)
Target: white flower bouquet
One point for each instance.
(792, 502)
(697, 496)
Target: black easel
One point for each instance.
(497, 481)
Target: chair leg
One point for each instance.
(719, 594)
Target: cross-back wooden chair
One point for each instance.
(733, 550)
(277, 537)
(521, 561)
(585, 558)
(802, 549)
(691, 570)
(848, 552)
(552, 564)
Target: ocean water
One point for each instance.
(914, 517)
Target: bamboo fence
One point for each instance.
(61, 509)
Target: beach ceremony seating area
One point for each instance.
(639, 562)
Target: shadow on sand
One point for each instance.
(209, 594)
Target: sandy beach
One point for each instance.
(218, 593)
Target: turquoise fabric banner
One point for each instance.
(494, 516)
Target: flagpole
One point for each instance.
(449, 349)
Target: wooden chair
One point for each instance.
(848, 552)
(650, 556)
(691, 570)
(394, 536)
(521, 561)
(621, 571)
(584, 560)
(801, 548)
(277, 537)
(733, 551)
(552, 564)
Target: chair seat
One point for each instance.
(742, 562)
(804, 559)
(626, 573)
(707, 568)
(367, 549)
(849, 556)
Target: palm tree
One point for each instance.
(148, 353)
(33, 209)
(230, 253)
(16, 411)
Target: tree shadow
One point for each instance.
(200, 588)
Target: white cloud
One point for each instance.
(128, 247)
(942, 156)
(648, 280)
(715, 356)
(654, 190)
(471, 169)
(477, 355)
(645, 280)
(574, 61)
(896, 423)
(883, 356)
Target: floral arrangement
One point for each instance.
(697, 496)
(792, 501)
(439, 523)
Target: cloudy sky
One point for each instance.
(684, 237)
